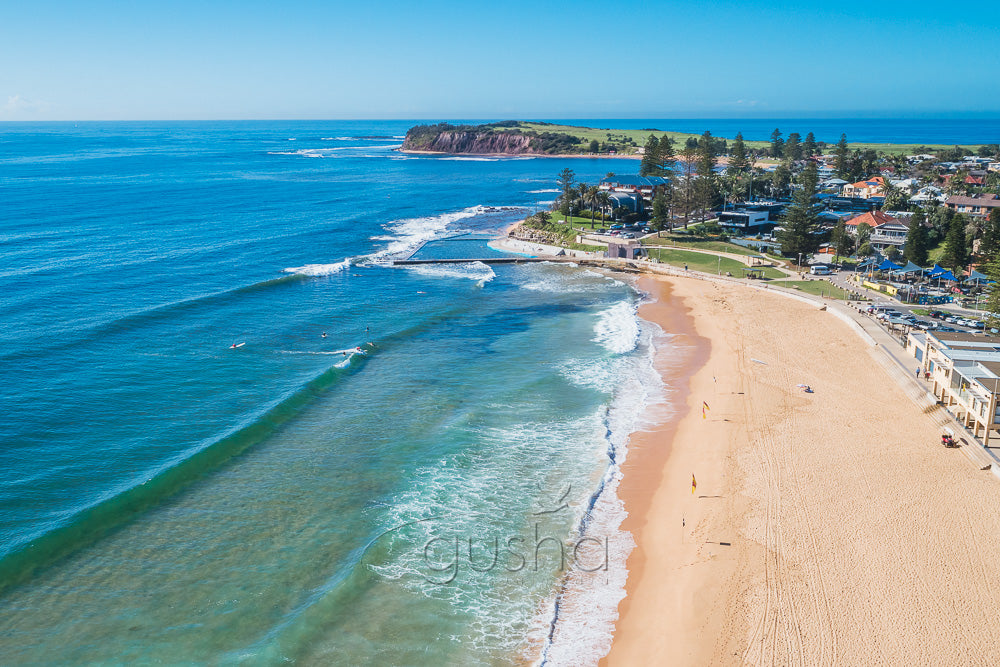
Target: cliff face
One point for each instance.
(470, 142)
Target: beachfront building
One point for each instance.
(977, 205)
(892, 233)
(872, 187)
(964, 373)
(751, 218)
(641, 186)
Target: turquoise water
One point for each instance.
(167, 497)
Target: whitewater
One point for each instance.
(170, 497)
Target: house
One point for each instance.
(993, 166)
(643, 186)
(965, 374)
(892, 233)
(927, 194)
(872, 187)
(978, 205)
(751, 217)
(873, 219)
(907, 185)
(624, 200)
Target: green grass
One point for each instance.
(920, 311)
(697, 261)
(581, 221)
(817, 287)
(640, 136)
(700, 242)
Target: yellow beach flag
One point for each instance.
(704, 410)
(694, 483)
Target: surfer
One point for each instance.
(323, 335)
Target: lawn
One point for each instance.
(700, 242)
(640, 136)
(699, 261)
(817, 287)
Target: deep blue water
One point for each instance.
(167, 497)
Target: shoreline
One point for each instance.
(591, 156)
(794, 539)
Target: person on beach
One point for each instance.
(918, 373)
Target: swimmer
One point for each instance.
(323, 335)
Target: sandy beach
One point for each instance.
(826, 527)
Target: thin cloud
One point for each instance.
(18, 106)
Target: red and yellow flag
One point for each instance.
(694, 483)
(704, 410)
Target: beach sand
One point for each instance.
(826, 528)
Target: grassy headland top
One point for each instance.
(534, 137)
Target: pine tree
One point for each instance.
(801, 219)
(706, 187)
(809, 145)
(777, 144)
(684, 190)
(842, 165)
(915, 249)
(793, 147)
(661, 214)
(993, 303)
(666, 156)
(738, 160)
(990, 245)
(955, 254)
(650, 157)
(566, 177)
(840, 239)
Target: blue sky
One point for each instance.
(445, 59)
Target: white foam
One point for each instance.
(320, 269)
(407, 234)
(617, 328)
(543, 191)
(477, 271)
(470, 159)
(588, 601)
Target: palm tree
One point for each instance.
(590, 198)
(603, 199)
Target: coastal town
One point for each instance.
(911, 250)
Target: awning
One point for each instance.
(978, 278)
(888, 266)
(909, 268)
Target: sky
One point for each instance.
(443, 59)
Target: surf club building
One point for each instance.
(964, 371)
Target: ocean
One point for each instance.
(231, 432)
